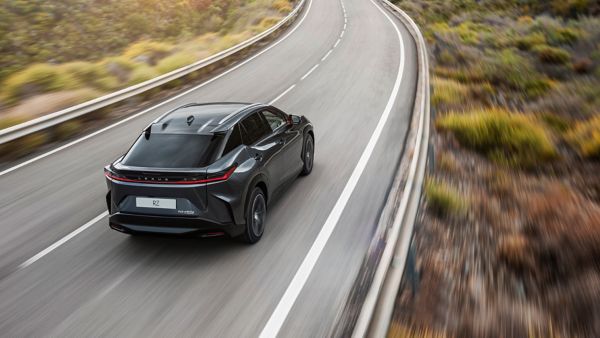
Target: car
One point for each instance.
(208, 170)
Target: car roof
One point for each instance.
(201, 118)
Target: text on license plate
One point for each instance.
(160, 203)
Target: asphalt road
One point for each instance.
(102, 283)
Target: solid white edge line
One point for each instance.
(282, 94)
(326, 55)
(62, 241)
(310, 71)
(79, 140)
(277, 318)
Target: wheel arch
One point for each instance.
(261, 181)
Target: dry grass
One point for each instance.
(508, 138)
(586, 137)
(523, 260)
(447, 92)
(443, 199)
(399, 331)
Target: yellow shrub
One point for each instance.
(150, 48)
(175, 61)
(448, 92)
(39, 78)
(90, 74)
(268, 22)
(504, 137)
(443, 199)
(141, 74)
(553, 55)
(586, 137)
(282, 6)
(9, 121)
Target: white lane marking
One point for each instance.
(326, 55)
(104, 214)
(310, 71)
(342, 35)
(72, 143)
(337, 43)
(275, 322)
(62, 241)
(282, 94)
(344, 26)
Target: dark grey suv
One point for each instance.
(208, 169)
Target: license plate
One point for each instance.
(156, 203)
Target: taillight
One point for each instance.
(221, 176)
(214, 177)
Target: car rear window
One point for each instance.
(173, 151)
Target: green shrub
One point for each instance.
(529, 41)
(443, 199)
(508, 68)
(121, 62)
(91, 74)
(230, 40)
(553, 55)
(268, 22)
(84, 71)
(29, 143)
(118, 67)
(586, 137)
(67, 129)
(504, 137)
(175, 61)
(446, 58)
(152, 49)
(36, 79)
(448, 92)
(141, 74)
(10, 121)
(555, 32)
(468, 32)
(570, 8)
(556, 122)
(282, 6)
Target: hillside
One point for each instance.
(73, 50)
(509, 242)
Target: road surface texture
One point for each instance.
(63, 272)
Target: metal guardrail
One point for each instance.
(399, 214)
(53, 119)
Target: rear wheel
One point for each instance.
(308, 152)
(256, 213)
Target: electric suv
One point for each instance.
(208, 170)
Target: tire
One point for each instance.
(308, 152)
(256, 215)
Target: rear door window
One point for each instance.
(235, 139)
(173, 150)
(255, 127)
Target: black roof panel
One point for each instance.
(196, 118)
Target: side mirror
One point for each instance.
(295, 119)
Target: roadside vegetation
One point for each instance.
(509, 242)
(64, 53)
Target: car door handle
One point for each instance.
(258, 157)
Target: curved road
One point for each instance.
(350, 67)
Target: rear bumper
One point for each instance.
(132, 223)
